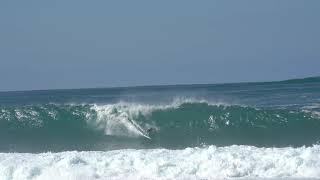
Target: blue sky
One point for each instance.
(75, 44)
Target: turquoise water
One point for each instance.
(272, 114)
(246, 130)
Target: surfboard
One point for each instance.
(140, 130)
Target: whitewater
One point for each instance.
(229, 131)
(191, 163)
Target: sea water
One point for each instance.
(242, 130)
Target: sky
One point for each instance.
(86, 44)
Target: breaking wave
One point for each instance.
(133, 125)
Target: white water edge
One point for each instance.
(244, 162)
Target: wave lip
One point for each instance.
(191, 163)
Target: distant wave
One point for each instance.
(176, 125)
(303, 80)
(209, 162)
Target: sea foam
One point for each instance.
(119, 118)
(191, 163)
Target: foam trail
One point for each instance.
(191, 163)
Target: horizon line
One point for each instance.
(159, 85)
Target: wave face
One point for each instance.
(245, 162)
(130, 125)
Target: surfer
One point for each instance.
(151, 131)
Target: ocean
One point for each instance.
(214, 131)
